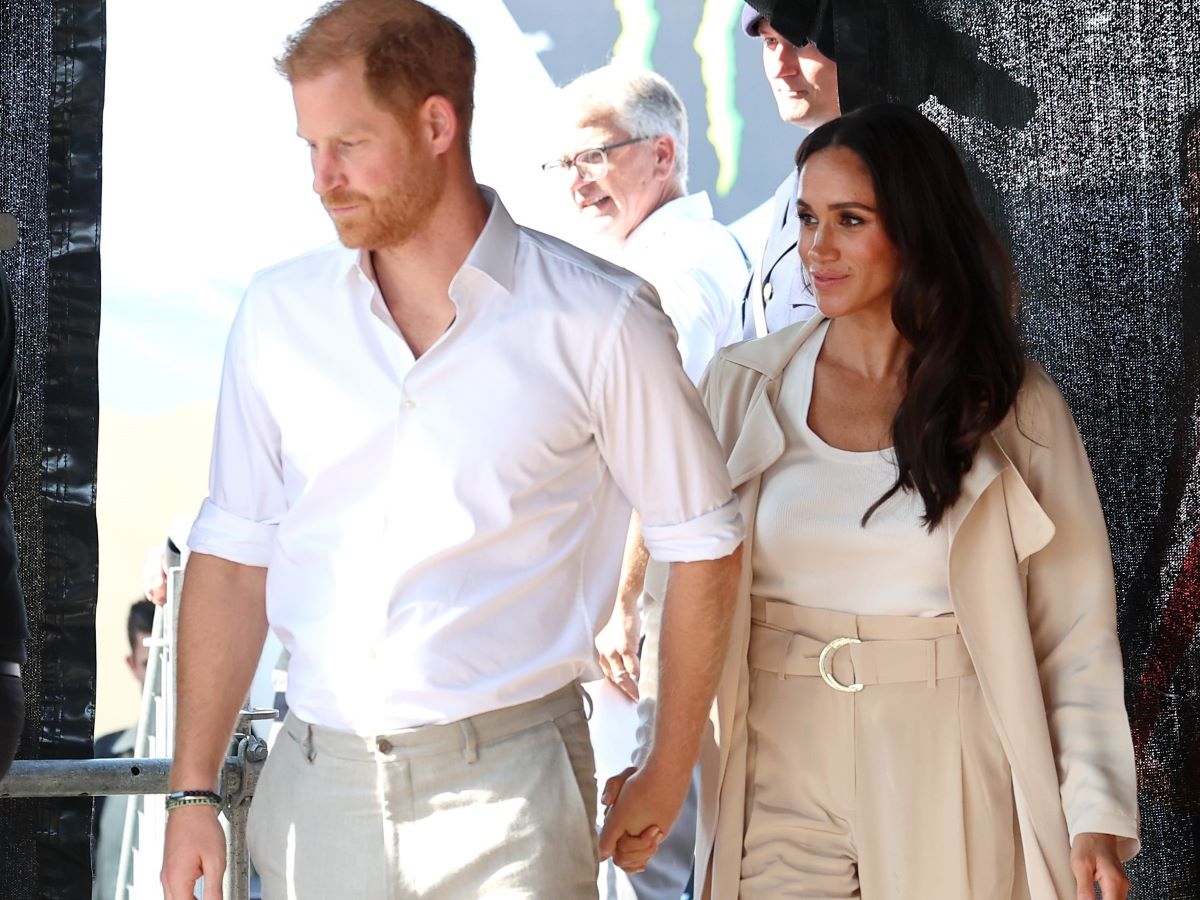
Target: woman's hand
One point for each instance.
(1094, 860)
(617, 649)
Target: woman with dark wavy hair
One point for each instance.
(923, 696)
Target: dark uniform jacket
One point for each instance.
(776, 275)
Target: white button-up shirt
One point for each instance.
(699, 270)
(443, 535)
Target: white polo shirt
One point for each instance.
(443, 536)
(698, 268)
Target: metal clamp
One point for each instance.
(826, 660)
(245, 760)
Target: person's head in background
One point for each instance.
(138, 626)
(624, 148)
(803, 79)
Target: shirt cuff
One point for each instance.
(221, 533)
(713, 535)
(1122, 827)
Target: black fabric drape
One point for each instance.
(51, 97)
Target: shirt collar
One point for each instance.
(693, 207)
(494, 253)
(495, 250)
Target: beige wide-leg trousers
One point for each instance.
(896, 791)
(500, 805)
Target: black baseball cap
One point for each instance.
(751, 19)
(800, 22)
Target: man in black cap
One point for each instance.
(797, 48)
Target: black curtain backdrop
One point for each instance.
(51, 96)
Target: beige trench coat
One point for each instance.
(1031, 582)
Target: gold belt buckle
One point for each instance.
(826, 661)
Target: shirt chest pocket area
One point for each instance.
(325, 425)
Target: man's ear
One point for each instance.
(131, 662)
(664, 156)
(439, 123)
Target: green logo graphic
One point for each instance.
(714, 46)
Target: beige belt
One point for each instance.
(848, 663)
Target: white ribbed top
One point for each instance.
(809, 546)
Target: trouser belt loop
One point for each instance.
(783, 662)
(931, 658)
(470, 741)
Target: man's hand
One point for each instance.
(617, 648)
(1094, 860)
(642, 807)
(194, 847)
(154, 576)
(632, 852)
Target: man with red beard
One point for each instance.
(428, 443)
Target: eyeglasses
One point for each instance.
(592, 163)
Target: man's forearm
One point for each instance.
(618, 642)
(633, 569)
(222, 626)
(692, 644)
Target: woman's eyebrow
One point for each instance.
(846, 204)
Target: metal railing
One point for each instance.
(145, 775)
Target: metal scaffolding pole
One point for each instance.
(115, 777)
(85, 777)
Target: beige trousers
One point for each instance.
(897, 791)
(500, 805)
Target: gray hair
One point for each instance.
(639, 101)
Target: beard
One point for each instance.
(391, 218)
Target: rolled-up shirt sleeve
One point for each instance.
(657, 440)
(246, 498)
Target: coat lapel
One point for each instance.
(759, 439)
(992, 469)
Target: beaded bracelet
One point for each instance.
(176, 799)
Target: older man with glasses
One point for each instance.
(625, 166)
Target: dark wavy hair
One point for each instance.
(955, 299)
